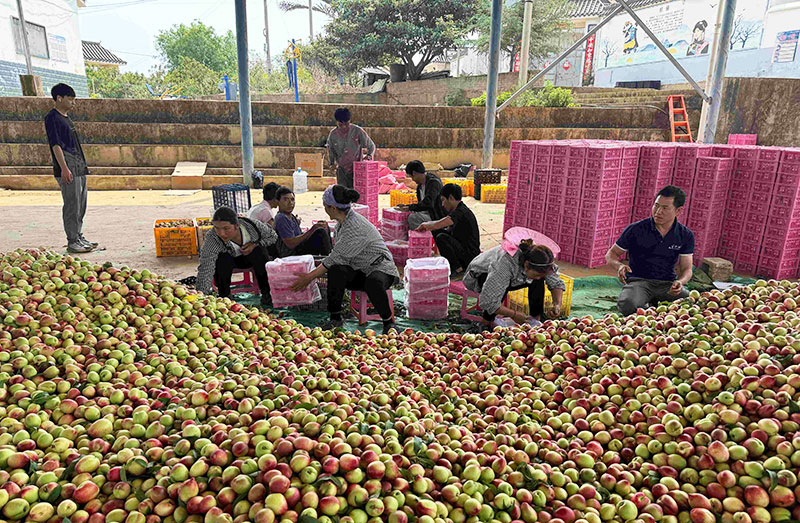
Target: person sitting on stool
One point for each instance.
(456, 235)
(429, 204)
(495, 273)
(235, 243)
(295, 242)
(359, 261)
(262, 211)
(654, 246)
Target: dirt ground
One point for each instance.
(122, 222)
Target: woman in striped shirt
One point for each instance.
(359, 261)
(496, 272)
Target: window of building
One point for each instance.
(58, 48)
(37, 39)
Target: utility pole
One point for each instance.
(266, 37)
(26, 48)
(245, 111)
(491, 87)
(524, 56)
(310, 20)
(709, 116)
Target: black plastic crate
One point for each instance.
(233, 195)
(485, 176)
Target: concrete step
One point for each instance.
(321, 115)
(306, 136)
(37, 170)
(229, 156)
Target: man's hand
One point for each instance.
(555, 311)
(622, 273)
(677, 287)
(66, 175)
(248, 248)
(402, 207)
(427, 226)
(303, 280)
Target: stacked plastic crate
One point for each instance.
(365, 181)
(626, 188)
(554, 186)
(394, 224)
(282, 274)
(596, 219)
(537, 185)
(711, 184)
(686, 165)
(512, 198)
(568, 217)
(780, 251)
(420, 244)
(427, 284)
(734, 223)
(656, 165)
(525, 189)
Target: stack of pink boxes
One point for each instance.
(420, 244)
(512, 192)
(399, 251)
(365, 181)
(742, 139)
(685, 166)
(711, 184)
(394, 224)
(427, 284)
(656, 164)
(282, 274)
(780, 252)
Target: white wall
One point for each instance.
(60, 20)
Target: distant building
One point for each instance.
(96, 55)
(55, 45)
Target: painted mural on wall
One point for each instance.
(685, 27)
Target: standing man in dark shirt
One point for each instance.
(69, 167)
(429, 188)
(456, 235)
(654, 247)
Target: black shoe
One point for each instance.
(388, 326)
(266, 302)
(329, 325)
(93, 245)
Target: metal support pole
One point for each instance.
(310, 20)
(657, 41)
(491, 87)
(245, 111)
(26, 48)
(294, 73)
(266, 38)
(558, 60)
(524, 56)
(710, 116)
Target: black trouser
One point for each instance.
(341, 277)
(453, 250)
(535, 297)
(257, 260)
(318, 244)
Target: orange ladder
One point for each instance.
(679, 119)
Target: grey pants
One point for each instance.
(74, 196)
(344, 178)
(415, 219)
(639, 292)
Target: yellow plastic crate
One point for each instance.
(401, 198)
(175, 241)
(467, 186)
(493, 193)
(518, 300)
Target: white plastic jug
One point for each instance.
(300, 181)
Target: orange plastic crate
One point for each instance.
(175, 241)
(401, 198)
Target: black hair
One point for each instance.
(676, 193)
(270, 189)
(538, 257)
(344, 194)
(702, 24)
(451, 189)
(225, 214)
(342, 114)
(62, 90)
(415, 166)
(281, 192)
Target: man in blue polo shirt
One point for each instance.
(654, 247)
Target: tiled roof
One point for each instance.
(586, 8)
(94, 52)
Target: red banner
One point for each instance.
(588, 58)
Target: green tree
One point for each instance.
(107, 82)
(548, 28)
(199, 42)
(192, 78)
(412, 32)
(322, 6)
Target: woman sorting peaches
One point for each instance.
(360, 260)
(496, 272)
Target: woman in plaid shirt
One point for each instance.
(496, 272)
(359, 261)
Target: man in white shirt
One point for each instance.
(263, 210)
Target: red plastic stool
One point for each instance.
(458, 288)
(359, 303)
(248, 283)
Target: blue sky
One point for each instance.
(129, 27)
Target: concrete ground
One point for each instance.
(122, 222)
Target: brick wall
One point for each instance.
(10, 86)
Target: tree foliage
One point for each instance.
(107, 82)
(200, 43)
(548, 28)
(380, 32)
(322, 6)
